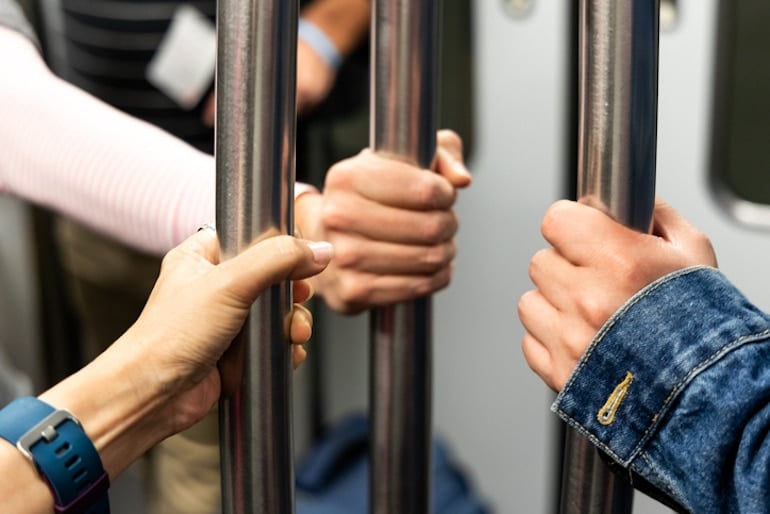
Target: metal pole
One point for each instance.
(405, 57)
(618, 97)
(618, 109)
(255, 135)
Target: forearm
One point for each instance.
(65, 150)
(120, 404)
(345, 22)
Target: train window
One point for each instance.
(741, 130)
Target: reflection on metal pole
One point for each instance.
(404, 121)
(618, 82)
(255, 132)
(618, 107)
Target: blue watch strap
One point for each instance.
(62, 453)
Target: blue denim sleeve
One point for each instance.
(676, 389)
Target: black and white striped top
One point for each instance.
(109, 44)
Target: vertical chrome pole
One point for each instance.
(405, 57)
(618, 107)
(255, 135)
(618, 103)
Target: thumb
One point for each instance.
(451, 169)
(672, 227)
(271, 261)
(449, 159)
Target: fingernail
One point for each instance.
(322, 251)
(460, 168)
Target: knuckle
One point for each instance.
(454, 223)
(437, 257)
(334, 216)
(351, 290)
(630, 274)
(552, 218)
(428, 192)
(536, 264)
(528, 344)
(340, 174)
(548, 224)
(574, 343)
(432, 284)
(439, 227)
(706, 253)
(347, 255)
(431, 229)
(592, 309)
(523, 307)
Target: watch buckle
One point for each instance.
(46, 429)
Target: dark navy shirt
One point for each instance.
(109, 44)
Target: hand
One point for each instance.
(315, 78)
(594, 266)
(392, 225)
(198, 306)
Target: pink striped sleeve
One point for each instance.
(66, 150)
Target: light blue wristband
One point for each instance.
(311, 34)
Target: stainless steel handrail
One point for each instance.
(255, 135)
(405, 56)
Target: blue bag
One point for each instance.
(333, 478)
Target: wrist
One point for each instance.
(345, 22)
(54, 441)
(315, 37)
(22, 488)
(119, 409)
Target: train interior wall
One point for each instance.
(488, 405)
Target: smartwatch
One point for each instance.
(63, 454)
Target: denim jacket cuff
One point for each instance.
(648, 352)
